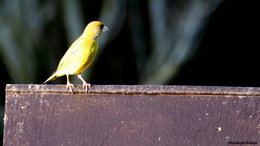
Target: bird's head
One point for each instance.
(94, 29)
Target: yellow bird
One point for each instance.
(80, 55)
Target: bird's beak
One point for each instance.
(105, 29)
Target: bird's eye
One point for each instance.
(101, 26)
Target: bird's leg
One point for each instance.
(69, 85)
(85, 84)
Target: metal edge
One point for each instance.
(135, 89)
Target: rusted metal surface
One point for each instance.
(137, 89)
(118, 115)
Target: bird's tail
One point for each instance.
(52, 77)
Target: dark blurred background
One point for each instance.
(174, 42)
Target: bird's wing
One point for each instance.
(71, 52)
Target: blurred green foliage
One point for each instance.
(148, 41)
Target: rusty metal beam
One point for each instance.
(131, 115)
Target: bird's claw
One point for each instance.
(70, 86)
(86, 86)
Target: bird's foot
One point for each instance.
(86, 86)
(70, 86)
